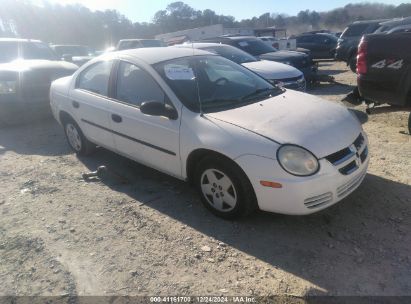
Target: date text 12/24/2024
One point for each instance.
(203, 299)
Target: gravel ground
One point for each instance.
(148, 234)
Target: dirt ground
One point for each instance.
(148, 234)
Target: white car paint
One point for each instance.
(250, 135)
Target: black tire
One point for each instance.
(246, 202)
(353, 63)
(409, 124)
(85, 146)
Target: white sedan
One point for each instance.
(244, 143)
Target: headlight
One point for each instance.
(354, 115)
(301, 80)
(297, 160)
(7, 87)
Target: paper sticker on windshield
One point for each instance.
(178, 72)
(243, 43)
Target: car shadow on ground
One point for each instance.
(44, 137)
(326, 89)
(359, 244)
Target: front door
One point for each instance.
(151, 140)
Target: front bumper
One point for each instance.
(295, 83)
(15, 108)
(309, 72)
(300, 195)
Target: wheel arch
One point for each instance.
(64, 117)
(197, 155)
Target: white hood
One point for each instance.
(318, 125)
(272, 70)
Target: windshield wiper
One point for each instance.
(257, 93)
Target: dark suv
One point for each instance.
(321, 45)
(260, 50)
(350, 38)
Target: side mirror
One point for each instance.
(68, 57)
(156, 108)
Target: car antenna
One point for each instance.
(196, 80)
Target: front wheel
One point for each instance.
(353, 63)
(224, 188)
(76, 139)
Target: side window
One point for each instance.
(134, 85)
(303, 39)
(96, 78)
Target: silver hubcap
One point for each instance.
(219, 190)
(73, 137)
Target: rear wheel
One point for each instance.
(76, 139)
(224, 188)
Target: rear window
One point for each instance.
(254, 47)
(37, 50)
(152, 43)
(8, 51)
(355, 30)
(74, 50)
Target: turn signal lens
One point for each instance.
(271, 184)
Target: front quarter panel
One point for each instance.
(202, 132)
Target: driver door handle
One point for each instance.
(116, 118)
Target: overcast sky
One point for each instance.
(144, 10)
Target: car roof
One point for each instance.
(18, 40)
(241, 37)
(199, 45)
(397, 21)
(156, 55)
(140, 40)
(369, 21)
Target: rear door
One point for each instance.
(89, 102)
(151, 140)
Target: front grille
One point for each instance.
(349, 159)
(293, 83)
(348, 187)
(318, 201)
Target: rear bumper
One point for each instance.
(380, 90)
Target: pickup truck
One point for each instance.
(27, 68)
(384, 73)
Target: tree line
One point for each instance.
(76, 24)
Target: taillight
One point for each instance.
(362, 57)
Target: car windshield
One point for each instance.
(152, 43)
(213, 83)
(73, 50)
(255, 47)
(37, 50)
(359, 29)
(8, 51)
(231, 53)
